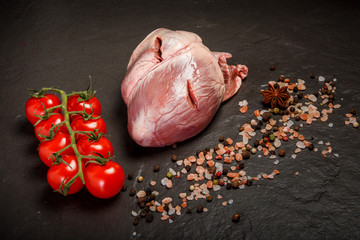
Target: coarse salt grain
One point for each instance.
(276, 162)
(331, 125)
(321, 78)
(243, 103)
(133, 213)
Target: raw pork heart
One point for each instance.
(174, 85)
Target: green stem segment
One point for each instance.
(63, 106)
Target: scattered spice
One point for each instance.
(140, 179)
(282, 153)
(157, 168)
(276, 97)
(131, 176)
(236, 218)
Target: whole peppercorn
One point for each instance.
(312, 76)
(166, 208)
(142, 205)
(266, 116)
(215, 182)
(225, 171)
(132, 192)
(295, 89)
(272, 137)
(272, 67)
(131, 176)
(281, 78)
(282, 152)
(169, 175)
(136, 220)
(316, 93)
(209, 198)
(149, 218)
(156, 168)
(297, 128)
(221, 139)
(292, 109)
(235, 184)
(256, 143)
(323, 91)
(148, 191)
(141, 200)
(353, 111)
(236, 218)
(300, 95)
(228, 186)
(140, 179)
(188, 167)
(124, 188)
(261, 122)
(297, 117)
(276, 110)
(249, 182)
(275, 128)
(216, 148)
(311, 147)
(296, 99)
(188, 211)
(253, 150)
(225, 143)
(174, 158)
(272, 152)
(241, 165)
(266, 139)
(200, 209)
(143, 213)
(246, 154)
(152, 196)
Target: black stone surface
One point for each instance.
(59, 43)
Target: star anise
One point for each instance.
(275, 96)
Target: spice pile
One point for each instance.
(222, 166)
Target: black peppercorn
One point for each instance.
(316, 93)
(143, 213)
(292, 109)
(174, 158)
(246, 154)
(272, 67)
(152, 196)
(148, 191)
(275, 128)
(353, 111)
(221, 139)
(311, 147)
(249, 182)
(131, 176)
(166, 208)
(266, 116)
(149, 218)
(296, 128)
(272, 152)
(297, 117)
(225, 171)
(216, 148)
(282, 152)
(225, 143)
(124, 188)
(188, 167)
(281, 78)
(136, 220)
(312, 76)
(295, 89)
(200, 209)
(236, 218)
(142, 205)
(156, 168)
(241, 165)
(228, 186)
(189, 211)
(132, 192)
(256, 143)
(209, 198)
(300, 95)
(235, 184)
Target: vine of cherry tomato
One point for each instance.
(73, 143)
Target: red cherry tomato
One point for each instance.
(47, 148)
(34, 107)
(62, 173)
(80, 124)
(76, 103)
(90, 147)
(44, 126)
(104, 181)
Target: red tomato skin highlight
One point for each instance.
(74, 104)
(104, 181)
(44, 126)
(90, 147)
(80, 124)
(33, 106)
(46, 148)
(61, 172)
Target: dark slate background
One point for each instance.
(59, 43)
